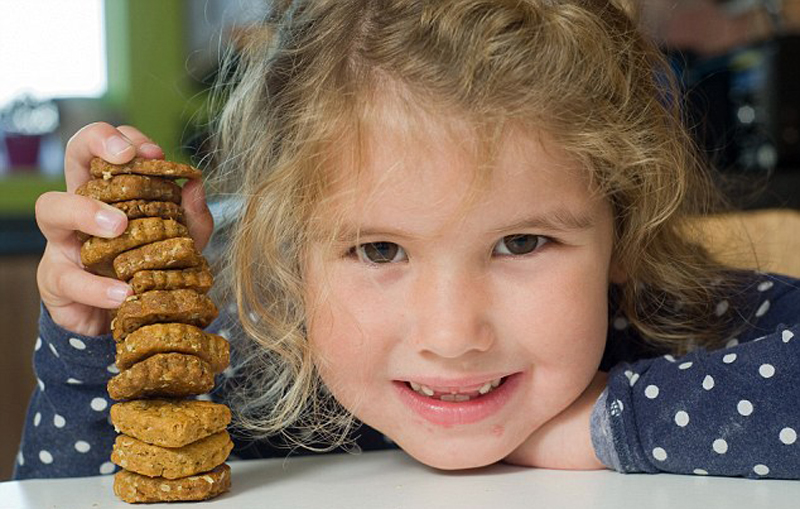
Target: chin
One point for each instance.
(445, 460)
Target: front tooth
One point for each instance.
(496, 383)
(414, 385)
(426, 390)
(485, 388)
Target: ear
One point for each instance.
(616, 273)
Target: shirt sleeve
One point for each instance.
(67, 431)
(729, 412)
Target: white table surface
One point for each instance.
(390, 479)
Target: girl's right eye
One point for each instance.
(379, 252)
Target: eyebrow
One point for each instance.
(558, 220)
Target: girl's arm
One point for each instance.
(730, 412)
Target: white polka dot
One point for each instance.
(720, 446)
(766, 370)
(38, 344)
(82, 446)
(634, 379)
(659, 454)
(113, 369)
(37, 418)
(53, 349)
(744, 408)
(59, 421)
(728, 359)
(20, 458)
(763, 308)
(787, 336)
(721, 308)
(681, 418)
(107, 468)
(651, 392)
(77, 344)
(620, 323)
(670, 358)
(40, 384)
(764, 286)
(788, 436)
(99, 404)
(74, 381)
(685, 365)
(700, 471)
(708, 382)
(616, 408)
(761, 469)
(731, 343)
(45, 457)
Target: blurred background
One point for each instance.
(149, 63)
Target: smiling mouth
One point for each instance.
(455, 394)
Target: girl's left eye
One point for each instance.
(519, 244)
(379, 252)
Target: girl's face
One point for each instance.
(416, 323)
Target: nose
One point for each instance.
(451, 310)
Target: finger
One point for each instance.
(145, 147)
(95, 140)
(63, 283)
(198, 216)
(59, 215)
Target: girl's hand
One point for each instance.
(76, 299)
(564, 442)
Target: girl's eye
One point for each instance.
(520, 244)
(380, 252)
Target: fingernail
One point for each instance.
(118, 293)
(109, 221)
(117, 145)
(149, 147)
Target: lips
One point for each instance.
(451, 404)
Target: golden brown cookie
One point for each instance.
(198, 279)
(136, 488)
(169, 423)
(152, 167)
(163, 374)
(173, 337)
(175, 253)
(171, 463)
(138, 233)
(163, 306)
(135, 209)
(131, 187)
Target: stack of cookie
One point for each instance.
(172, 447)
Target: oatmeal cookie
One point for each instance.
(138, 233)
(198, 279)
(169, 423)
(173, 337)
(174, 253)
(161, 306)
(136, 488)
(163, 374)
(139, 166)
(171, 463)
(131, 187)
(135, 209)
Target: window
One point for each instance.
(52, 48)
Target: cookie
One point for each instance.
(163, 306)
(139, 232)
(163, 374)
(131, 187)
(173, 337)
(171, 463)
(136, 488)
(174, 253)
(169, 423)
(152, 167)
(135, 209)
(198, 279)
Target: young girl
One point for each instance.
(464, 224)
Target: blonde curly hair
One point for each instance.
(580, 70)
